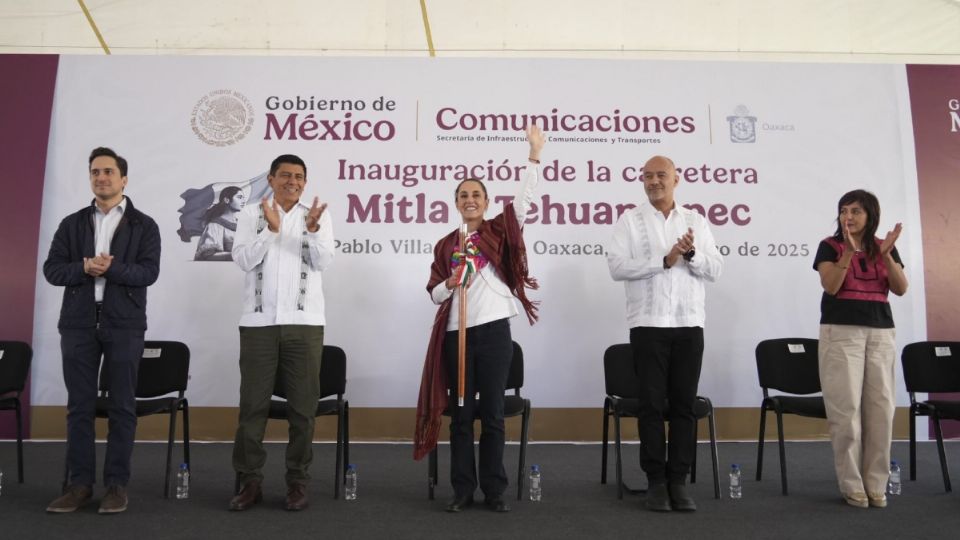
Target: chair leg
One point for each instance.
(338, 464)
(783, 453)
(618, 452)
(763, 429)
(714, 456)
(606, 436)
(346, 438)
(19, 441)
(696, 443)
(524, 432)
(913, 444)
(170, 436)
(431, 473)
(185, 413)
(943, 456)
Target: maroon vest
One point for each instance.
(866, 279)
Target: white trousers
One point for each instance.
(857, 377)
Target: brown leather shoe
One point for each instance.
(249, 495)
(115, 501)
(73, 498)
(296, 497)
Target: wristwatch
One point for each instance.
(688, 256)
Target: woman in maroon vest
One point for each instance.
(857, 346)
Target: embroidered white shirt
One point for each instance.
(280, 253)
(664, 298)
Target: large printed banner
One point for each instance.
(935, 107)
(764, 152)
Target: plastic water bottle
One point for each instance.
(183, 482)
(893, 484)
(735, 489)
(536, 489)
(350, 486)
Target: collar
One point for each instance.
(649, 209)
(122, 206)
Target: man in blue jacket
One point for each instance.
(105, 256)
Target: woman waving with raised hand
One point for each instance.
(495, 255)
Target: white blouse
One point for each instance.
(488, 297)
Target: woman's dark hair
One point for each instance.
(871, 206)
(223, 202)
(456, 192)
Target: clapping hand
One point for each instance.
(97, 266)
(313, 215)
(271, 214)
(848, 238)
(685, 242)
(887, 246)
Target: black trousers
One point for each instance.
(668, 362)
(82, 350)
(489, 353)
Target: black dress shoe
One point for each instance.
(680, 499)
(459, 502)
(658, 499)
(497, 504)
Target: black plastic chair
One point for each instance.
(15, 357)
(513, 405)
(164, 369)
(333, 382)
(932, 366)
(623, 401)
(787, 365)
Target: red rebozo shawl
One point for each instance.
(501, 241)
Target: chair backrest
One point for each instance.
(333, 374)
(620, 372)
(515, 378)
(789, 365)
(932, 366)
(164, 368)
(15, 357)
(333, 371)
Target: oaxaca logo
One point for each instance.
(222, 117)
(743, 127)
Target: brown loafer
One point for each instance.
(296, 497)
(115, 501)
(250, 494)
(73, 498)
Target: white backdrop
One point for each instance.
(820, 130)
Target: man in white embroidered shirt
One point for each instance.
(664, 253)
(283, 245)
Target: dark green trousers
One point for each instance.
(288, 357)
